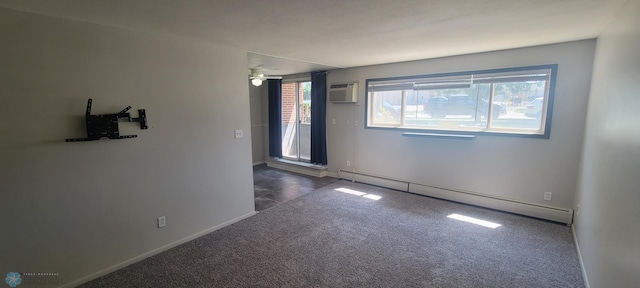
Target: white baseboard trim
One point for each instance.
(375, 180)
(502, 204)
(298, 167)
(484, 200)
(148, 254)
(584, 271)
(258, 163)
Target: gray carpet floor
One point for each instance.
(329, 238)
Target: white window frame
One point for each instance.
(297, 82)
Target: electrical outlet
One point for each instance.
(333, 121)
(578, 210)
(238, 134)
(162, 221)
(547, 196)
(348, 163)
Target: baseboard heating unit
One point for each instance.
(473, 198)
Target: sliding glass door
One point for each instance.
(296, 121)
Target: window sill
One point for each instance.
(298, 167)
(439, 135)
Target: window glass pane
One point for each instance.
(305, 120)
(289, 119)
(296, 121)
(464, 108)
(523, 103)
(414, 107)
(386, 107)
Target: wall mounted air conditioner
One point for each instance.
(343, 93)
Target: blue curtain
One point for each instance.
(275, 118)
(319, 118)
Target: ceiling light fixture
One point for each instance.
(257, 77)
(256, 82)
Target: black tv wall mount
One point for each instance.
(106, 125)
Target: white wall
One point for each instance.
(259, 122)
(77, 208)
(512, 167)
(607, 227)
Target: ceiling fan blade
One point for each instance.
(256, 73)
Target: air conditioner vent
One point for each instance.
(343, 93)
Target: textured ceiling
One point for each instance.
(304, 35)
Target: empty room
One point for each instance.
(309, 143)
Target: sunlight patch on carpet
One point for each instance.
(372, 197)
(358, 193)
(474, 221)
(350, 191)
